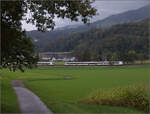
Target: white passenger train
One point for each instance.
(100, 63)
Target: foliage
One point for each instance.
(44, 12)
(136, 96)
(17, 49)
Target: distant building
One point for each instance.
(57, 56)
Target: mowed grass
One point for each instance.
(59, 63)
(62, 94)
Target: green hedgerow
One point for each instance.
(136, 96)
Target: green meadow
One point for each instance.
(61, 88)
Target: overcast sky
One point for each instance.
(105, 8)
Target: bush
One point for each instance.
(130, 96)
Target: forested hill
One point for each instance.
(41, 39)
(124, 41)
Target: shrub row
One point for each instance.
(135, 96)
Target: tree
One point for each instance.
(86, 55)
(140, 57)
(131, 56)
(17, 50)
(44, 12)
(94, 56)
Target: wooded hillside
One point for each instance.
(125, 42)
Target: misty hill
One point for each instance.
(129, 16)
(42, 39)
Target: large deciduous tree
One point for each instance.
(17, 49)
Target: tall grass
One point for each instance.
(135, 96)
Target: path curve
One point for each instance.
(28, 101)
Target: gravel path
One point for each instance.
(28, 101)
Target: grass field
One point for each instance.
(60, 88)
(59, 63)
